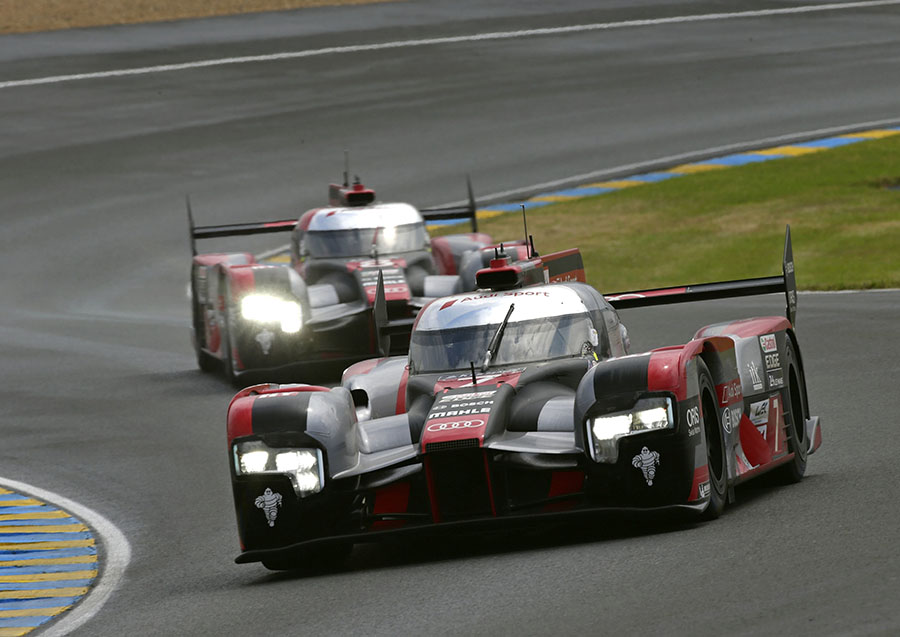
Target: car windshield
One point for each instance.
(523, 342)
(359, 242)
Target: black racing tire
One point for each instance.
(205, 362)
(795, 414)
(715, 444)
(323, 558)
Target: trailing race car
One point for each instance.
(265, 317)
(516, 402)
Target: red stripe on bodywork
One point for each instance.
(242, 281)
(280, 224)
(443, 255)
(307, 218)
(649, 293)
(752, 327)
(701, 475)
(393, 498)
(401, 392)
(564, 483)
(754, 445)
(240, 416)
(666, 373)
(361, 368)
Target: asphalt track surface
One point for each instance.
(102, 402)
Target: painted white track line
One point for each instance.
(114, 559)
(499, 35)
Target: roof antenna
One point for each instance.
(525, 223)
(474, 377)
(346, 168)
(534, 253)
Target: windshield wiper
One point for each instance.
(495, 341)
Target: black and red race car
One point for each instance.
(271, 318)
(521, 401)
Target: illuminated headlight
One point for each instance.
(303, 466)
(648, 414)
(265, 308)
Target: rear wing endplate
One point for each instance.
(233, 229)
(385, 328)
(725, 289)
(457, 212)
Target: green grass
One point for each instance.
(729, 224)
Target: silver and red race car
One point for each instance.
(271, 318)
(517, 402)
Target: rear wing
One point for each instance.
(233, 229)
(458, 212)
(722, 290)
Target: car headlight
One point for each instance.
(648, 414)
(266, 308)
(303, 466)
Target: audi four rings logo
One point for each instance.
(460, 424)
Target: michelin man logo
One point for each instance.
(646, 461)
(265, 339)
(269, 502)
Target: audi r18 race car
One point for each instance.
(517, 402)
(251, 316)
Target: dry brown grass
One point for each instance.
(23, 16)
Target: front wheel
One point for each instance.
(715, 445)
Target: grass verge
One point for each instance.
(23, 16)
(727, 224)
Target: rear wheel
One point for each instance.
(715, 445)
(795, 412)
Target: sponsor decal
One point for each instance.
(462, 404)
(755, 378)
(265, 339)
(776, 379)
(703, 489)
(692, 416)
(767, 342)
(731, 418)
(773, 361)
(759, 412)
(459, 424)
(646, 461)
(731, 391)
(269, 502)
(479, 297)
(789, 267)
(474, 395)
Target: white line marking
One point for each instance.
(117, 554)
(662, 163)
(477, 37)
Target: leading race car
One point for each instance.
(269, 318)
(516, 402)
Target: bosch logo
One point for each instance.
(460, 424)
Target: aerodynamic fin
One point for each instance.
(384, 327)
(458, 212)
(785, 283)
